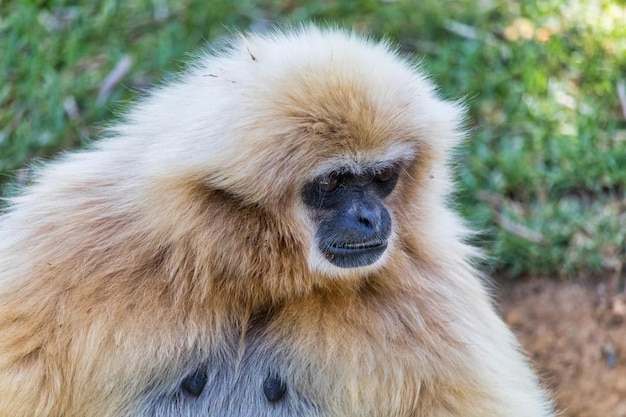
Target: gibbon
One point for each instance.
(269, 235)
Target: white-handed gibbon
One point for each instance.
(269, 235)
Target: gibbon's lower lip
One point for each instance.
(349, 248)
(354, 255)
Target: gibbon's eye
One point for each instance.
(328, 184)
(384, 175)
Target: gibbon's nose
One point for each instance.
(367, 214)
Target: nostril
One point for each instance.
(365, 220)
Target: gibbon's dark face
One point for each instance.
(353, 225)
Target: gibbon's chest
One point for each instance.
(306, 369)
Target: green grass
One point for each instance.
(543, 175)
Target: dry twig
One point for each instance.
(115, 76)
(621, 94)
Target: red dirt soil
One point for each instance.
(575, 335)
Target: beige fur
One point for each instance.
(125, 266)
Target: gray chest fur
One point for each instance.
(254, 380)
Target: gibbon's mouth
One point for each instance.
(354, 254)
(353, 247)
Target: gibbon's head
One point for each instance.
(338, 136)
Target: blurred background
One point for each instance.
(543, 175)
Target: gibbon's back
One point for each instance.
(268, 235)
